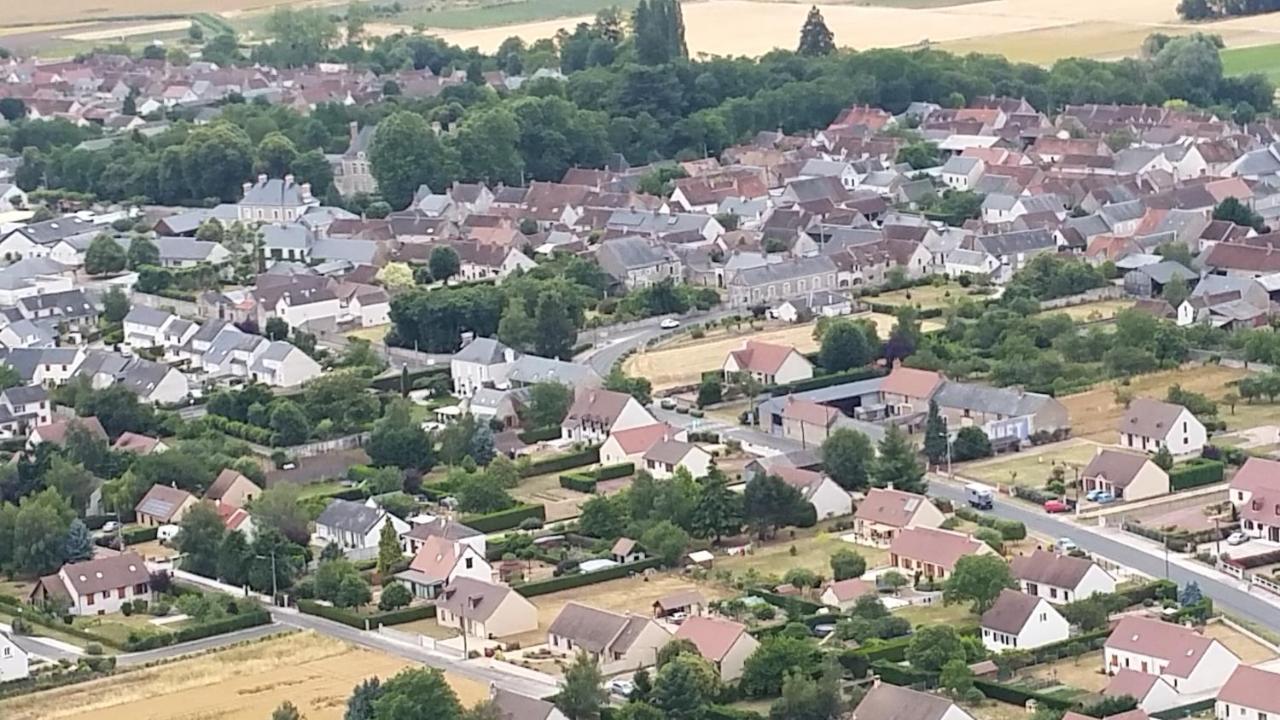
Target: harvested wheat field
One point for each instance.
(1095, 413)
(684, 364)
(242, 683)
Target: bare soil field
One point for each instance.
(242, 683)
(1079, 672)
(1094, 413)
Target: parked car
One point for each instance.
(1065, 545)
(1104, 497)
(110, 526)
(669, 324)
(1237, 538)
(622, 687)
(667, 403)
(1056, 506)
(822, 630)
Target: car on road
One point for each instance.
(1104, 497)
(667, 404)
(1056, 506)
(669, 324)
(1065, 545)
(1237, 538)
(622, 687)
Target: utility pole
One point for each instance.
(275, 590)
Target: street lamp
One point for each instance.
(274, 588)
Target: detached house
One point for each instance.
(844, 594)
(438, 562)
(1017, 621)
(14, 661)
(1060, 579)
(275, 200)
(932, 552)
(632, 444)
(884, 513)
(96, 587)
(616, 642)
(824, 494)
(1149, 425)
(354, 527)
(637, 262)
(1127, 476)
(163, 505)
(664, 457)
(893, 702)
(22, 408)
(480, 363)
(232, 488)
(1152, 692)
(723, 643)
(484, 610)
(768, 363)
(1255, 493)
(1250, 694)
(1190, 662)
(596, 414)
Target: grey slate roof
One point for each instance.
(1010, 612)
(178, 249)
(349, 516)
(51, 231)
(25, 394)
(143, 315)
(274, 192)
(775, 272)
(981, 398)
(294, 236)
(1166, 270)
(67, 304)
(530, 369)
(483, 351)
(356, 251)
(630, 253)
(1019, 241)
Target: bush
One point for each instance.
(135, 535)
(537, 435)
(356, 620)
(93, 649)
(1195, 473)
(251, 618)
(1018, 696)
(562, 462)
(564, 582)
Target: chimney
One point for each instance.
(247, 188)
(306, 191)
(354, 129)
(288, 179)
(262, 178)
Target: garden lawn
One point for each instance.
(1031, 467)
(813, 552)
(1095, 413)
(1250, 651)
(937, 614)
(1080, 672)
(116, 626)
(1094, 311)
(1263, 59)
(925, 297)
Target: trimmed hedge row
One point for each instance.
(923, 314)
(822, 381)
(135, 535)
(392, 382)
(354, 619)
(242, 430)
(247, 619)
(562, 462)
(504, 519)
(1008, 529)
(725, 712)
(564, 582)
(529, 437)
(794, 606)
(56, 679)
(585, 480)
(1182, 711)
(1018, 696)
(1195, 473)
(1089, 642)
(904, 675)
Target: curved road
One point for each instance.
(1135, 552)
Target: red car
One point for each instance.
(1056, 506)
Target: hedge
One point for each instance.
(1018, 696)
(244, 431)
(354, 619)
(391, 383)
(529, 437)
(923, 314)
(55, 679)
(38, 618)
(250, 618)
(585, 480)
(822, 381)
(1089, 641)
(504, 519)
(905, 675)
(1182, 711)
(135, 535)
(793, 605)
(564, 582)
(562, 462)
(1195, 473)
(725, 712)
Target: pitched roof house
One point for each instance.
(1255, 493)
(885, 512)
(438, 562)
(232, 488)
(770, 364)
(514, 706)
(1189, 661)
(1017, 621)
(1060, 579)
(631, 444)
(354, 527)
(597, 413)
(484, 610)
(1131, 476)
(1149, 425)
(96, 587)
(932, 552)
(1152, 692)
(723, 643)
(14, 661)
(664, 457)
(163, 505)
(1250, 694)
(818, 489)
(844, 594)
(893, 702)
(617, 642)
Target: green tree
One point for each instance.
(215, 160)
(935, 435)
(978, 579)
(289, 423)
(394, 596)
(277, 328)
(777, 655)
(233, 558)
(844, 346)
(667, 541)
(389, 553)
(933, 646)
(405, 154)
(200, 538)
(142, 252)
(330, 575)
(397, 441)
(517, 327)
(769, 503)
(79, 546)
(804, 698)
(971, 443)
(684, 686)
(488, 142)
(417, 694)
(115, 305)
(1163, 458)
(104, 256)
(815, 37)
(444, 263)
(363, 696)
(276, 153)
(956, 677)
(72, 481)
(847, 456)
(556, 331)
(847, 564)
(286, 711)
(718, 511)
(299, 36)
(582, 692)
(353, 592)
(40, 527)
(481, 493)
(279, 507)
(710, 390)
(898, 464)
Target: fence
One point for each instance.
(319, 447)
(417, 640)
(1109, 292)
(185, 308)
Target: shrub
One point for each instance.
(564, 582)
(1195, 473)
(505, 519)
(93, 649)
(561, 462)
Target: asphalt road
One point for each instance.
(1129, 551)
(611, 343)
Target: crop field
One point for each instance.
(684, 364)
(242, 683)
(1093, 311)
(1263, 59)
(1095, 413)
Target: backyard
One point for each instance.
(813, 551)
(926, 297)
(1093, 311)
(561, 503)
(246, 682)
(1083, 672)
(1031, 467)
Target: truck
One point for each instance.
(979, 496)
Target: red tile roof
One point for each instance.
(762, 357)
(640, 439)
(712, 636)
(912, 383)
(936, 547)
(1257, 475)
(1252, 688)
(889, 507)
(1181, 647)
